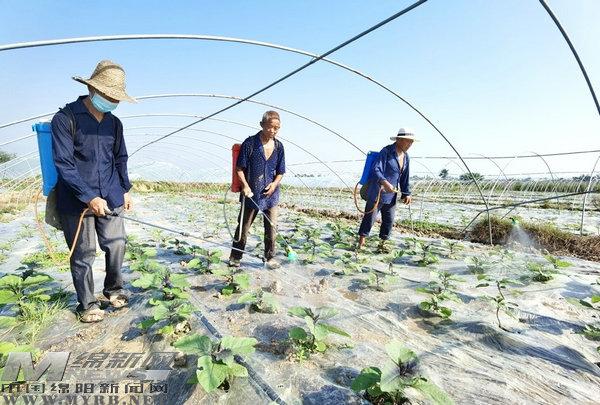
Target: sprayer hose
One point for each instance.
(356, 201)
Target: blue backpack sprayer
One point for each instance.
(365, 182)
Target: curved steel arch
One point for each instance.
(234, 139)
(498, 179)
(317, 57)
(124, 117)
(573, 51)
(264, 104)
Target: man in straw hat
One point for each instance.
(388, 177)
(91, 161)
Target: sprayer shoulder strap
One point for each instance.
(71, 117)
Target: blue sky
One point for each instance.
(495, 76)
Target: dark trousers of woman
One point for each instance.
(249, 215)
(388, 213)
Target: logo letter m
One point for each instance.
(53, 364)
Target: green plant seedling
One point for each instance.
(171, 315)
(217, 365)
(312, 340)
(453, 247)
(393, 258)
(179, 247)
(260, 301)
(30, 298)
(235, 282)
(347, 265)
(204, 260)
(540, 272)
(500, 301)
(591, 332)
(388, 385)
(29, 287)
(411, 242)
(137, 251)
(480, 264)
(340, 235)
(168, 285)
(313, 246)
(556, 262)
(159, 237)
(440, 289)
(380, 281)
(426, 253)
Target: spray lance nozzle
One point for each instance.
(291, 254)
(514, 221)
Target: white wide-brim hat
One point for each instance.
(109, 79)
(404, 133)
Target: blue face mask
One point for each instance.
(103, 105)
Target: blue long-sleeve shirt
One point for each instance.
(386, 168)
(91, 164)
(259, 171)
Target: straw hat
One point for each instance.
(109, 79)
(404, 133)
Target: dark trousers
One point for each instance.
(111, 238)
(249, 215)
(388, 213)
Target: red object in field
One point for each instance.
(236, 185)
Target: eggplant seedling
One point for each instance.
(479, 264)
(312, 340)
(426, 253)
(556, 262)
(393, 258)
(172, 315)
(340, 234)
(314, 246)
(540, 272)
(380, 281)
(159, 237)
(591, 332)
(234, 282)
(500, 301)
(347, 265)
(137, 250)
(168, 285)
(388, 385)
(439, 291)
(260, 301)
(28, 287)
(217, 365)
(453, 248)
(205, 261)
